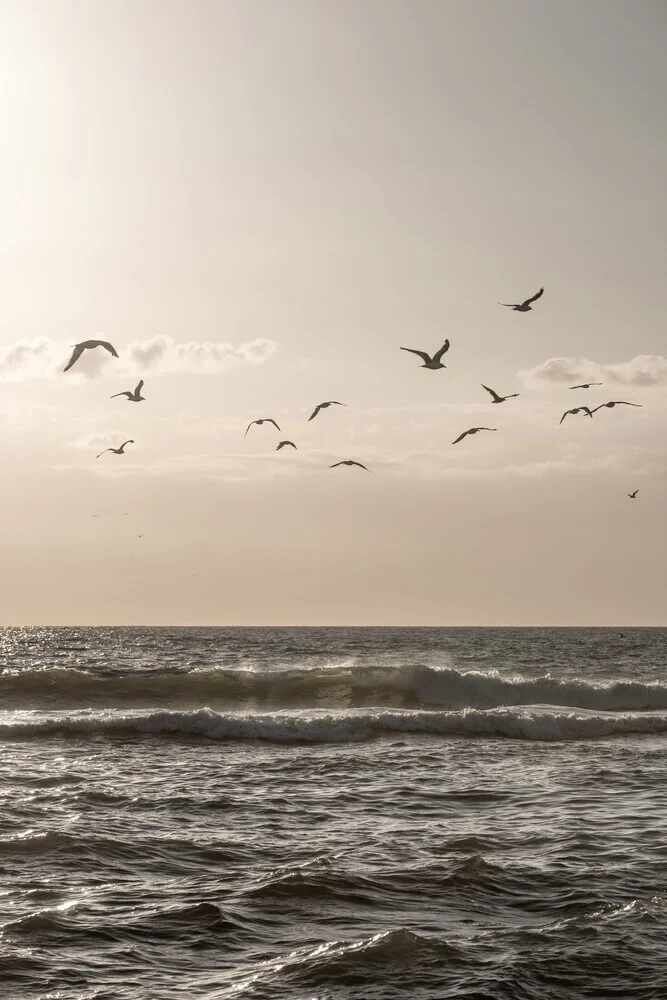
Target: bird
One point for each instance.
(348, 461)
(633, 495)
(576, 409)
(523, 307)
(323, 406)
(140, 536)
(88, 345)
(264, 420)
(283, 444)
(117, 451)
(132, 397)
(615, 402)
(430, 362)
(496, 397)
(473, 430)
(585, 385)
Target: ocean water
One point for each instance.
(333, 813)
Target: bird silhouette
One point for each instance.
(132, 397)
(283, 444)
(348, 461)
(615, 402)
(430, 362)
(323, 406)
(473, 430)
(88, 345)
(264, 420)
(523, 307)
(585, 385)
(117, 451)
(576, 409)
(633, 495)
(496, 397)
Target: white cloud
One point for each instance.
(45, 358)
(644, 370)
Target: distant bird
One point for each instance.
(585, 385)
(96, 515)
(430, 362)
(117, 451)
(140, 536)
(523, 307)
(496, 397)
(264, 420)
(88, 345)
(615, 402)
(348, 461)
(633, 495)
(283, 444)
(323, 406)
(132, 397)
(576, 409)
(473, 430)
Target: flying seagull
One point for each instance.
(473, 430)
(283, 444)
(264, 420)
(88, 345)
(615, 402)
(430, 362)
(585, 385)
(633, 495)
(323, 406)
(117, 451)
(496, 397)
(523, 307)
(348, 461)
(576, 409)
(132, 397)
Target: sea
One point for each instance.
(333, 813)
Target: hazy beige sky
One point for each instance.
(258, 202)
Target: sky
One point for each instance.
(258, 203)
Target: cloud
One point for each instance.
(644, 370)
(45, 358)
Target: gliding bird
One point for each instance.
(585, 385)
(633, 495)
(577, 409)
(523, 307)
(496, 397)
(117, 451)
(615, 402)
(88, 345)
(132, 397)
(264, 420)
(473, 430)
(348, 461)
(283, 444)
(323, 406)
(430, 362)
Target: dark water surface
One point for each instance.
(333, 813)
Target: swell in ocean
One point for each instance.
(407, 687)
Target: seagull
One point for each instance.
(283, 444)
(88, 345)
(633, 495)
(117, 451)
(348, 461)
(523, 307)
(323, 406)
(585, 385)
(132, 397)
(616, 402)
(496, 397)
(577, 409)
(430, 362)
(473, 430)
(264, 420)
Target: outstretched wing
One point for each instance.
(461, 437)
(587, 410)
(564, 415)
(534, 298)
(315, 412)
(103, 452)
(129, 441)
(109, 347)
(270, 420)
(76, 354)
(249, 426)
(126, 393)
(510, 305)
(336, 464)
(622, 402)
(360, 466)
(140, 386)
(443, 350)
(495, 395)
(422, 354)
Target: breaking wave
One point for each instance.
(408, 687)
